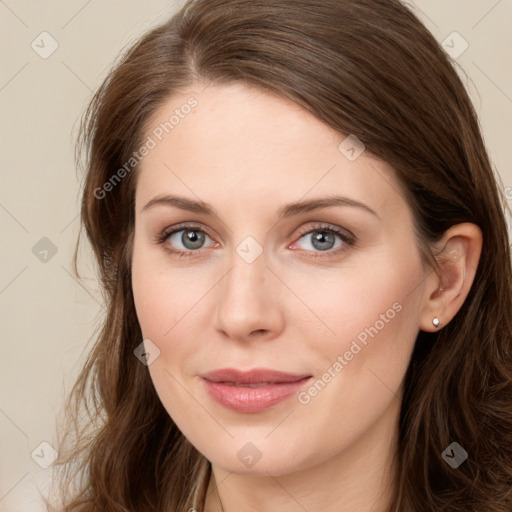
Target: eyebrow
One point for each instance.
(288, 210)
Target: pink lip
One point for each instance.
(230, 388)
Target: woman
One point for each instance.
(306, 265)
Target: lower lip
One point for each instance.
(250, 400)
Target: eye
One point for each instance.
(183, 240)
(325, 239)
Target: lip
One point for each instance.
(254, 390)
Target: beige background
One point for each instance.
(47, 317)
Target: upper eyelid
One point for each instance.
(326, 226)
(185, 227)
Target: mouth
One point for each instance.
(257, 376)
(252, 391)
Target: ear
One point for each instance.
(457, 254)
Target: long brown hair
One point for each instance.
(363, 67)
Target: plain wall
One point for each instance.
(47, 316)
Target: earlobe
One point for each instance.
(446, 291)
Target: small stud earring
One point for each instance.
(436, 322)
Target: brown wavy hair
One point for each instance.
(363, 67)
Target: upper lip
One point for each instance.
(255, 376)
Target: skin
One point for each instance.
(248, 153)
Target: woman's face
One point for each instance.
(258, 275)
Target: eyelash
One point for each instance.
(348, 240)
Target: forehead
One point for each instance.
(242, 142)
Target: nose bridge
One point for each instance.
(246, 301)
(246, 281)
(248, 267)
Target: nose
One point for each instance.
(249, 302)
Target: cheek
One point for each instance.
(169, 303)
(161, 294)
(374, 297)
(369, 325)
(151, 302)
(360, 365)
